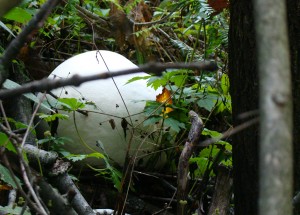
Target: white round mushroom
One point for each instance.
(111, 101)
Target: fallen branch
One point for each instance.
(65, 185)
(76, 80)
(183, 164)
(56, 203)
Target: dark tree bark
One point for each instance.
(244, 91)
(294, 35)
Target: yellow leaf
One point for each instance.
(165, 97)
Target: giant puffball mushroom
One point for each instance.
(107, 126)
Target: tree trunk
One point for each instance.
(244, 91)
(275, 145)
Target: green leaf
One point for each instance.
(179, 80)
(225, 84)
(201, 163)
(153, 108)
(174, 124)
(96, 155)
(116, 177)
(6, 177)
(4, 141)
(138, 78)
(19, 15)
(156, 82)
(208, 101)
(52, 117)
(152, 120)
(211, 133)
(71, 104)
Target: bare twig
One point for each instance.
(76, 80)
(31, 120)
(25, 170)
(229, 132)
(59, 204)
(28, 182)
(6, 162)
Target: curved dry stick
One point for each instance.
(183, 164)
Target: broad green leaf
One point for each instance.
(52, 117)
(208, 102)
(71, 103)
(225, 84)
(210, 151)
(174, 124)
(202, 165)
(6, 177)
(152, 120)
(19, 15)
(156, 82)
(178, 80)
(138, 78)
(211, 133)
(4, 141)
(153, 108)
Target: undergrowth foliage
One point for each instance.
(191, 32)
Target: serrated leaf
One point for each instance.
(153, 108)
(156, 82)
(174, 124)
(52, 117)
(152, 120)
(6, 177)
(71, 103)
(178, 80)
(138, 78)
